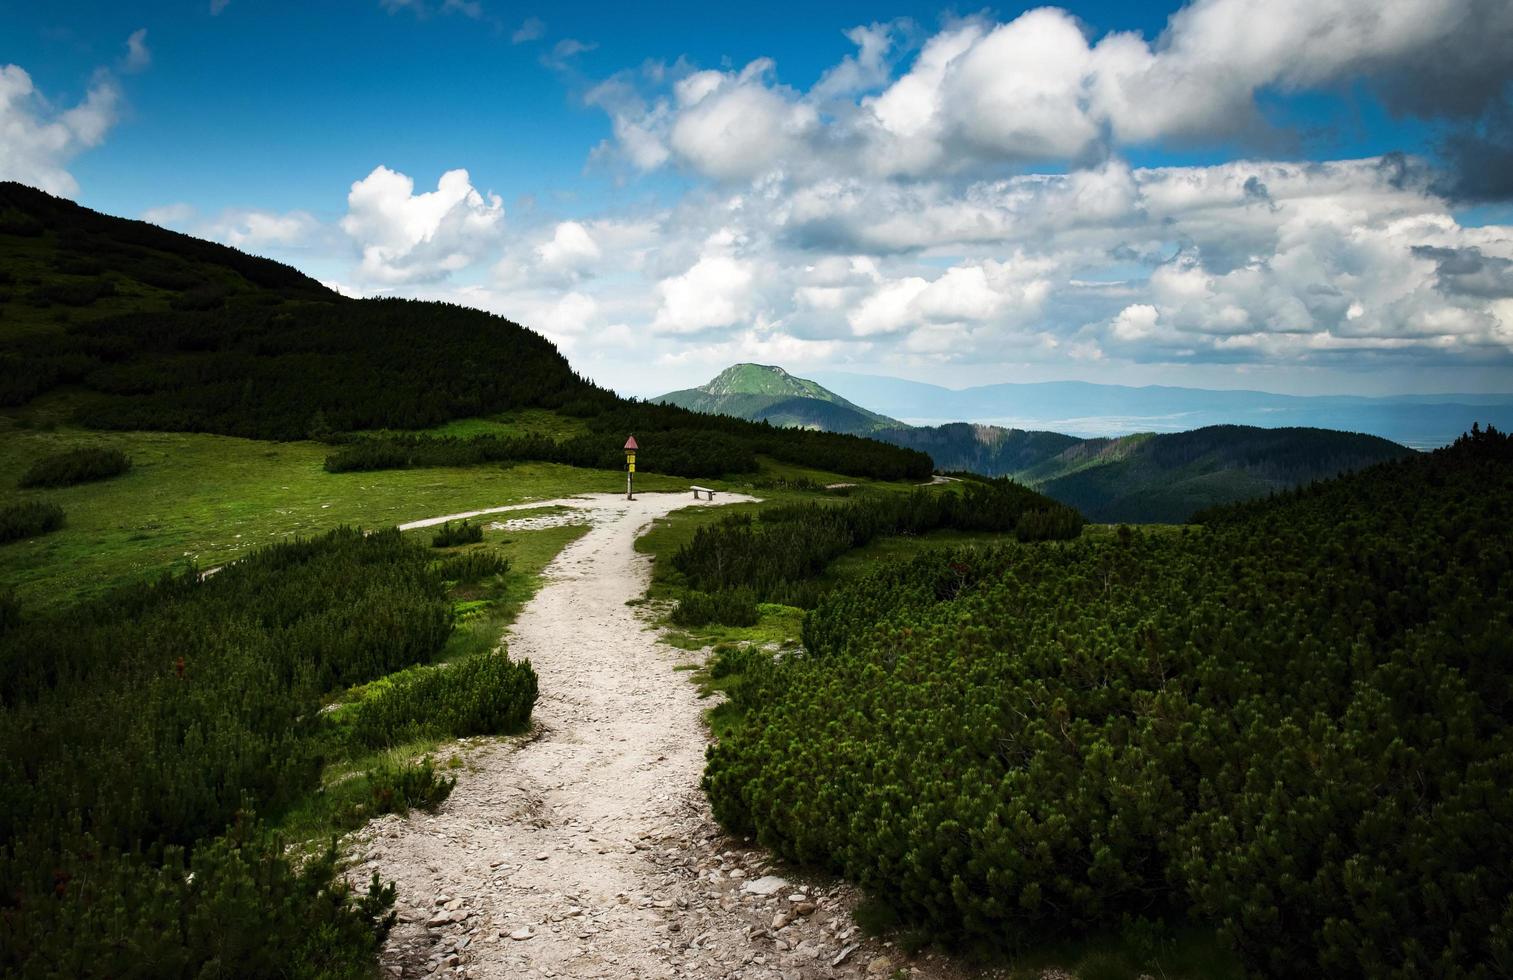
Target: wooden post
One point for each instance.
(630, 468)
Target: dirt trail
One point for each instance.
(588, 849)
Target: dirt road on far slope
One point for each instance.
(588, 850)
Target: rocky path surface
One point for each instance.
(587, 848)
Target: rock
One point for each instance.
(453, 905)
(879, 965)
(439, 919)
(845, 954)
(542, 856)
(804, 908)
(797, 897)
(521, 934)
(780, 921)
(460, 915)
(765, 886)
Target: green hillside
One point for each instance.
(990, 450)
(1169, 477)
(136, 328)
(1150, 477)
(766, 393)
(1289, 727)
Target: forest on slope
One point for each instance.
(1291, 725)
(149, 329)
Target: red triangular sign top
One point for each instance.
(631, 444)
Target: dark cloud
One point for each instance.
(1256, 192)
(1467, 272)
(1479, 158)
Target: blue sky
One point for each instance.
(1220, 193)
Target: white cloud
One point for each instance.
(216, 6)
(175, 216)
(138, 57)
(254, 230)
(981, 94)
(37, 141)
(409, 237)
(530, 29)
(570, 248)
(714, 292)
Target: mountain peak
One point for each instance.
(760, 379)
(768, 392)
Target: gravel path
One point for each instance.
(587, 849)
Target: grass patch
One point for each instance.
(207, 500)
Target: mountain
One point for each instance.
(1169, 477)
(1148, 476)
(120, 324)
(1084, 409)
(766, 393)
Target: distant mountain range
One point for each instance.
(1086, 410)
(766, 393)
(1140, 477)
(1150, 477)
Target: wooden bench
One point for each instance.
(699, 490)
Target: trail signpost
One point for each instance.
(630, 468)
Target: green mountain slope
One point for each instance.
(1171, 476)
(987, 449)
(118, 324)
(1150, 477)
(766, 393)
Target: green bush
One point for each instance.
(10, 610)
(137, 728)
(71, 292)
(778, 556)
(29, 519)
(473, 566)
(452, 535)
(730, 607)
(484, 694)
(1294, 727)
(399, 788)
(234, 907)
(75, 466)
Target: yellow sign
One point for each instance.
(632, 467)
(630, 458)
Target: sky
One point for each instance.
(1303, 196)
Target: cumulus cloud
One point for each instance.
(715, 292)
(408, 237)
(571, 248)
(37, 141)
(1038, 89)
